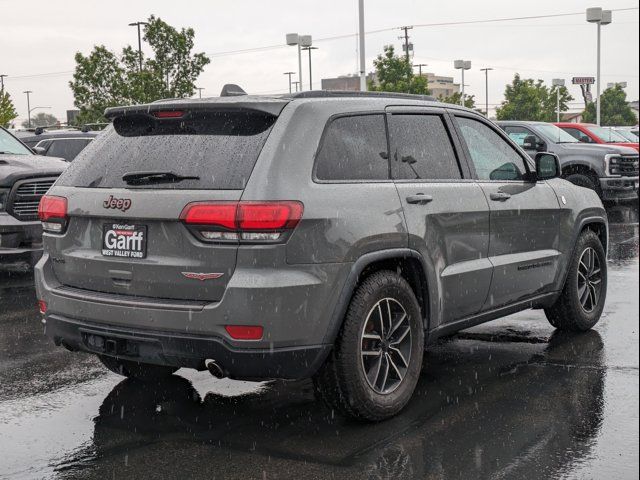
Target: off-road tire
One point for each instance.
(567, 313)
(341, 382)
(137, 370)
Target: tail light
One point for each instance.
(52, 212)
(253, 222)
(245, 332)
(42, 306)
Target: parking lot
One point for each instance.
(508, 399)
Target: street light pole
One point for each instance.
(293, 39)
(462, 65)
(28, 92)
(486, 88)
(363, 69)
(599, 17)
(138, 24)
(199, 91)
(558, 83)
(2, 82)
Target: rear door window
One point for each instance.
(220, 148)
(354, 148)
(422, 148)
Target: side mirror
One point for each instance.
(39, 150)
(547, 166)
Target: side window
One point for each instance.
(492, 156)
(519, 134)
(422, 148)
(354, 148)
(579, 135)
(67, 148)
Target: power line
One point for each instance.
(373, 32)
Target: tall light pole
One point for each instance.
(310, 75)
(289, 75)
(462, 65)
(363, 68)
(199, 91)
(28, 92)
(599, 17)
(295, 85)
(558, 83)
(293, 39)
(139, 24)
(486, 88)
(2, 82)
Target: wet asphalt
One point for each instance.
(508, 399)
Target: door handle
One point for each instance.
(499, 196)
(419, 199)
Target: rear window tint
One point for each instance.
(221, 148)
(354, 148)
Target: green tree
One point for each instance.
(41, 120)
(395, 74)
(104, 79)
(528, 99)
(455, 98)
(615, 110)
(7, 109)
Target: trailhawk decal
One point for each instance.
(202, 276)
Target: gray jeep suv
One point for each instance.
(324, 235)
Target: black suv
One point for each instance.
(65, 144)
(24, 179)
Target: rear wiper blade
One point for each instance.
(137, 178)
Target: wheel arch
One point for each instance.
(406, 262)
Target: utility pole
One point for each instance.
(420, 65)
(558, 83)
(289, 75)
(2, 82)
(28, 92)
(138, 24)
(406, 40)
(363, 68)
(486, 88)
(600, 17)
(310, 76)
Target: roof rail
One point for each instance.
(349, 93)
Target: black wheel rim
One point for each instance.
(589, 280)
(385, 346)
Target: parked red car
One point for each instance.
(590, 133)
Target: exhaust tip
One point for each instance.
(214, 368)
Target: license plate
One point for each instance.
(124, 241)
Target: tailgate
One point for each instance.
(175, 264)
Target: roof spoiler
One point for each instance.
(232, 90)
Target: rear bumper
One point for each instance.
(18, 238)
(168, 348)
(293, 304)
(619, 188)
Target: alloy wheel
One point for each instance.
(589, 280)
(385, 346)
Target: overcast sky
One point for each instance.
(39, 38)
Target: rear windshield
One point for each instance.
(220, 148)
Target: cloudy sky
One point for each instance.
(38, 40)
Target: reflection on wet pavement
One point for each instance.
(509, 399)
